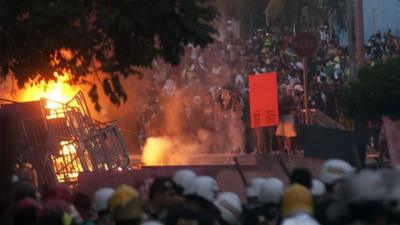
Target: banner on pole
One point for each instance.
(392, 132)
(263, 98)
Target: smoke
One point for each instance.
(189, 121)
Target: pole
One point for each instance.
(240, 171)
(305, 90)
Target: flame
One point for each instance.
(161, 151)
(156, 151)
(67, 164)
(57, 92)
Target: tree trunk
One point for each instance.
(351, 39)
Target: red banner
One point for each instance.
(263, 100)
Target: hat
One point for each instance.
(297, 198)
(132, 210)
(333, 170)
(126, 204)
(122, 195)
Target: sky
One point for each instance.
(381, 15)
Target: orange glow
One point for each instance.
(161, 151)
(67, 165)
(156, 151)
(59, 91)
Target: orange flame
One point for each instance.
(156, 151)
(59, 91)
(67, 163)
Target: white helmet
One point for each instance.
(14, 178)
(101, 198)
(253, 190)
(367, 185)
(184, 178)
(203, 186)
(271, 191)
(333, 170)
(318, 188)
(151, 222)
(230, 207)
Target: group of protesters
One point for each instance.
(210, 89)
(340, 194)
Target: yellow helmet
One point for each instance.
(122, 195)
(297, 198)
(126, 204)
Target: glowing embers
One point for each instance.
(67, 163)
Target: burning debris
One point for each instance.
(61, 140)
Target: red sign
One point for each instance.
(263, 100)
(305, 44)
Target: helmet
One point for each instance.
(122, 195)
(367, 185)
(230, 207)
(184, 178)
(318, 188)
(300, 219)
(126, 204)
(203, 186)
(333, 170)
(271, 191)
(297, 199)
(250, 192)
(151, 222)
(102, 197)
(253, 190)
(14, 178)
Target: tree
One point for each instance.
(303, 13)
(376, 92)
(84, 36)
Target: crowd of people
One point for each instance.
(339, 195)
(205, 98)
(208, 91)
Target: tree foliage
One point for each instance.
(338, 9)
(303, 13)
(115, 37)
(376, 93)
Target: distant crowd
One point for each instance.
(208, 90)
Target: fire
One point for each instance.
(59, 91)
(56, 93)
(168, 151)
(156, 151)
(67, 164)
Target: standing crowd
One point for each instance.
(208, 91)
(340, 195)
